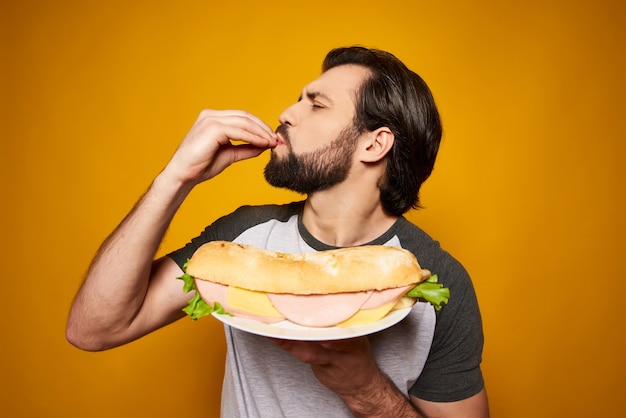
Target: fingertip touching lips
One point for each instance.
(283, 133)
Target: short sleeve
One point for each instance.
(452, 371)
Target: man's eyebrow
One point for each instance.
(312, 95)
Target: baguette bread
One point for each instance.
(353, 269)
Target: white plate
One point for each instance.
(287, 330)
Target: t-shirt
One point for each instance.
(433, 355)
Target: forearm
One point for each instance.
(348, 368)
(116, 284)
(380, 398)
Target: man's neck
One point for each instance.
(345, 219)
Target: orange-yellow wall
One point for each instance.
(528, 192)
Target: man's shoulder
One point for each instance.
(414, 238)
(429, 251)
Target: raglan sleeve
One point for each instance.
(226, 228)
(452, 371)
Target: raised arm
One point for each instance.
(126, 294)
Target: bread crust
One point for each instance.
(353, 269)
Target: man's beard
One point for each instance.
(313, 171)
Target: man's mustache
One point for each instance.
(282, 130)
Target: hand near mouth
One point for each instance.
(208, 148)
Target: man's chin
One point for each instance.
(280, 179)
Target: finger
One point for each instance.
(246, 132)
(241, 116)
(346, 345)
(244, 152)
(305, 351)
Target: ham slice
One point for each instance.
(307, 310)
(213, 292)
(319, 310)
(383, 297)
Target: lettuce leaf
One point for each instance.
(196, 307)
(431, 291)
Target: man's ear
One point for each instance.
(376, 145)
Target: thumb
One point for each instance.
(246, 151)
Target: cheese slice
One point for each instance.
(377, 306)
(366, 316)
(251, 301)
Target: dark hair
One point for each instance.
(395, 97)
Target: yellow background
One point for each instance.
(528, 191)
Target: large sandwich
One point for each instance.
(342, 287)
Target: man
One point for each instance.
(359, 143)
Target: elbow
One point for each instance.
(83, 342)
(84, 338)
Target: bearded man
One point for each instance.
(359, 143)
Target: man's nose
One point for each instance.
(289, 116)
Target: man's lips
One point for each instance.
(282, 136)
(281, 141)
